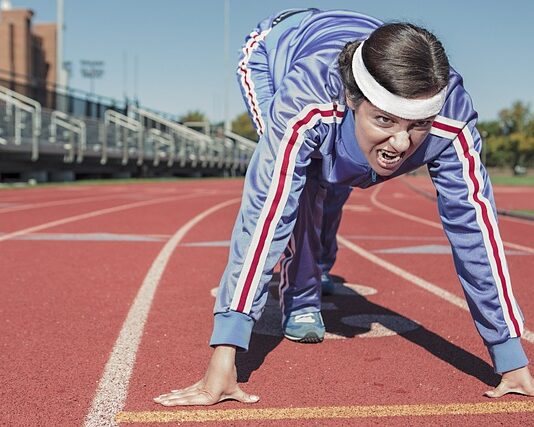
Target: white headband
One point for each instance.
(412, 109)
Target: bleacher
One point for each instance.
(60, 141)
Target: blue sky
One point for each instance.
(179, 45)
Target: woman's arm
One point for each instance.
(219, 383)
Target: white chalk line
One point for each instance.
(113, 386)
(93, 214)
(55, 203)
(433, 223)
(430, 287)
(114, 195)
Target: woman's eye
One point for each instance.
(383, 119)
(423, 124)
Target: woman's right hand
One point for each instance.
(219, 383)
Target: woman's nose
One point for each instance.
(400, 141)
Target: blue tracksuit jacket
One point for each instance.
(289, 75)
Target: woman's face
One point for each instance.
(387, 140)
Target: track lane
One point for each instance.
(177, 329)
(442, 265)
(113, 385)
(440, 364)
(54, 303)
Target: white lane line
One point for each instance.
(434, 224)
(428, 195)
(422, 283)
(90, 237)
(114, 195)
(395, 238)
(91, 215)
(55, 203)
(113, 386)
(386, 208)
(514, 219)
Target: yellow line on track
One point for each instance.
(229, 415)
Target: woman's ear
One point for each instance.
(349, 102)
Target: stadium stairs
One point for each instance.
(43, 144)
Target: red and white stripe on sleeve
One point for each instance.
(277, 196)
(248, 85)
(471, 165)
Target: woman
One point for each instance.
(340, 99)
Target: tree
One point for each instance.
(194, 116)
(518, 130)
(242, 125)
(509, 141)
(494, 149)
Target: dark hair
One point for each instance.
(407, 60)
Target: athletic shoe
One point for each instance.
(327, 284)
(305, 328)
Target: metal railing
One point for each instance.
(123, 128)
(187, 142)
(244, 148)
(142, 136)
(161, 140)
(20, 103)
(74, 127)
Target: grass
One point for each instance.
(25, 185)
(512, 180)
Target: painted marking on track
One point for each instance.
(91, 215)
(325, 412)
(380, 325)
(226, 243)
(430, 287)
(514, 219)
(113, 386)
(55, 203)
(433, 223)
(91, 237)
(357, 208)
(429, 249)
(394, 238)
(217, 244)
(368, 325)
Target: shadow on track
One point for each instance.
(355, 315)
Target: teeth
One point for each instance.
(390, 157)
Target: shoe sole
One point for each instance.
(309, 338)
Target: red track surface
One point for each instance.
(63, 304)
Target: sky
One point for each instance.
(179, 49)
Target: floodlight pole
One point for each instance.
(61, 71)
(92, 70)
(226, 63)
(59, 43)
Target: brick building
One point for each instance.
(27, 50)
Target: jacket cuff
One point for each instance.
(232, 328)
(508, 356)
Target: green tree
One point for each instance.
(494, 149)
(193, 116)
(509, 141)
(518, 131)
(242, 125)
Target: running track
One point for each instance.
(106, 299)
